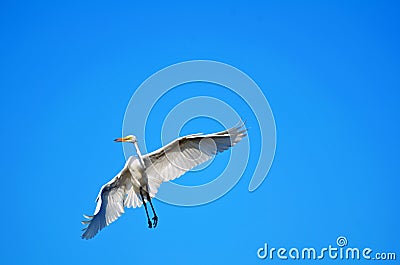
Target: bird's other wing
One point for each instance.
(110, 203)
(187, 152)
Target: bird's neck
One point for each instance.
(139, 153)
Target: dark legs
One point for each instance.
(155, 218)
(145, 207)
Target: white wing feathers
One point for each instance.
(111, 201)
(183, 154)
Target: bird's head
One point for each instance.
(127, 139)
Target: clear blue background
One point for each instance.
(330, 71)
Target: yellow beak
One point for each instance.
(120, 139)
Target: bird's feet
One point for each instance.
(155, 221)
(150, 224)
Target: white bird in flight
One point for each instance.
(141, 177)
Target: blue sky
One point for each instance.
(329, 70)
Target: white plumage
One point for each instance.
(146, 173)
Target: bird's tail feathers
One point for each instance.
(133, 199)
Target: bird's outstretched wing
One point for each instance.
(110, 203)
(183, 154)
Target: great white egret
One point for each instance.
(141, 177)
